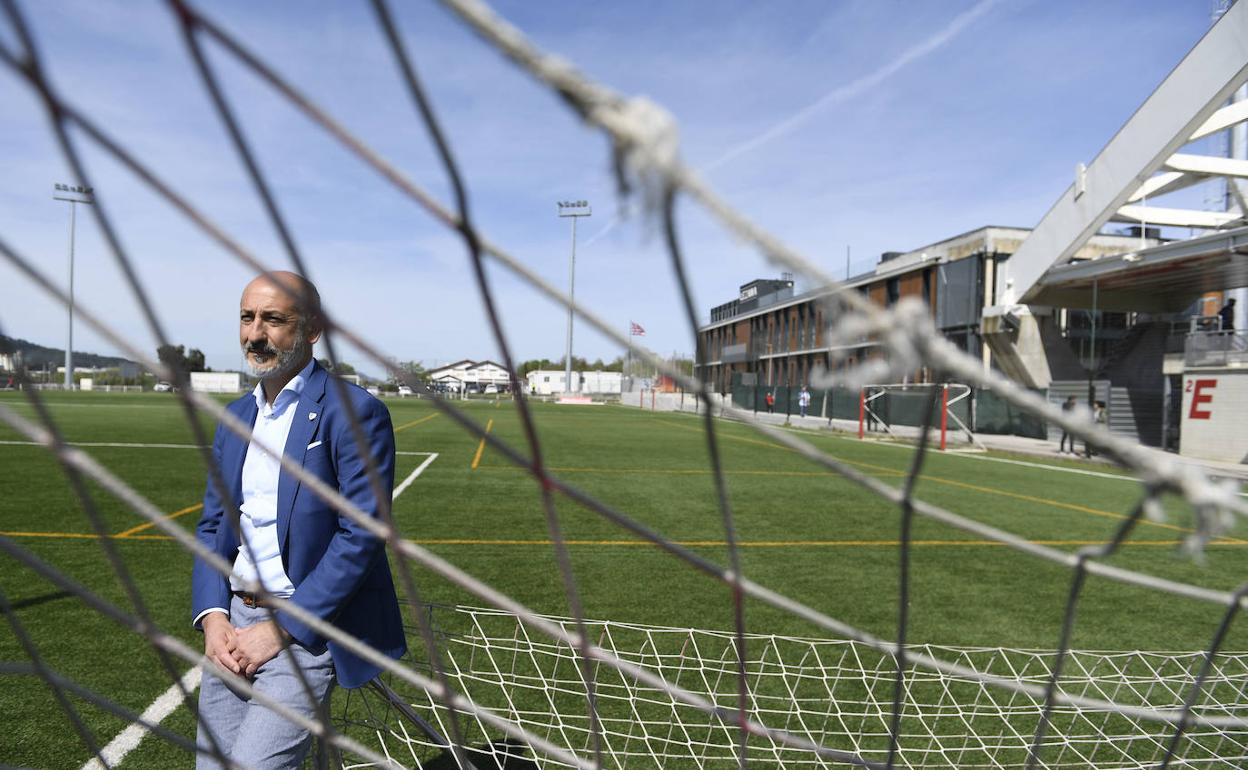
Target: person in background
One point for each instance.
(1227, 314)
(803, 400)
(1068, 406)
(770, 400)
(1101, 418)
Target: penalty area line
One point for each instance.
(128, 740)
(407, 482)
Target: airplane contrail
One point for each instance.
(839, 94)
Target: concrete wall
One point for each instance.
(216, 382)
(669, 402)
(1215, 411)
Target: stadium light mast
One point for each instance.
(74, 194)
(575, 210)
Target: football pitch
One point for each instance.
(803, 532)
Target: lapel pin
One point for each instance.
(311, 415)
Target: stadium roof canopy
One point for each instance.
(1150, 156)
(1165, 278)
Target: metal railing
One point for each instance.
(1216, 348)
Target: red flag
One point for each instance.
(635, 329)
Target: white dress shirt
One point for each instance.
(261, 471)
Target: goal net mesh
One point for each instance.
(585, 693)
(899, 411)
(831, 692)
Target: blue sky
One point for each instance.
(874, 124)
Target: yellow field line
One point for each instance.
(82, 536)
(792, 543)
(148, 525)
(686, 543)
(962, 484)
(674, 471)
(416, 422)
(476, 460)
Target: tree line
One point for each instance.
(177, 358)
(578, 365)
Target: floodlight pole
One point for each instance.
(575, 210)
(74, 194)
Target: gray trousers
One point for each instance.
(249, 733)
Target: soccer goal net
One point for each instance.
(832, 693)
(482, 687)
(900, 412)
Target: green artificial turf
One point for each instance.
(803, 532)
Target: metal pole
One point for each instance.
(567, 368)
(72, 194)
(944, 414)
(628, 357)
(69, 345)
(1092, 348)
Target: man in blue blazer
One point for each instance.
(289, 540)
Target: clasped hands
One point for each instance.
(241, 650)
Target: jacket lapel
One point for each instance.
(304, 425)
(234, 454)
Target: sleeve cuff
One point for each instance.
(199, 619)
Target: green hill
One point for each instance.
(37, 356)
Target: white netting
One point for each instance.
(578, 693)
(899, 411)
(834, 693)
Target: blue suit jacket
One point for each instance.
(339, 570)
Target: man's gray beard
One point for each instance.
(288, 361)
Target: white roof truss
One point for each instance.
(1156, 215)
(1190, 103)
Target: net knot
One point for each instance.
(898, 331)
(646, 149)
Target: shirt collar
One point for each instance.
(289, 394)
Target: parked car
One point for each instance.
(405, 391)
(162, 387)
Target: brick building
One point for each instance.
(769, 335)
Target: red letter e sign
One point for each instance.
(1200, 397)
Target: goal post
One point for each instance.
(897, 409)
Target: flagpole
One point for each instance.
(628, 358)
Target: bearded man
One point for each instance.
(288, 540)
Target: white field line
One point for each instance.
(1027, 464)
(1024, 463)
(128, 740)
(407, 482)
